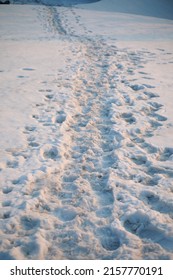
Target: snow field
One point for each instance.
(86, 182)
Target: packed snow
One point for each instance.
(86, 147)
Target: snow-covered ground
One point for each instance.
(86, 122)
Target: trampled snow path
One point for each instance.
(103, 192)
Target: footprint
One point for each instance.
(6, 215)
(60, 118)
(151, 94)
(140, 225)
(167, 154)
(28, 69)
(155, 124)
(65, 195)
(22, 77)
(150, 148)
(157, 236)
(12, 164)
(69, 239)
(50, 152)
(151, 197)
(30, 128)
(137, 87)
(128, 100)
(151, 180)
(39, 104)
(49, 96)
(128, 117)
(106, 197)
(104, 212)
(66, 214)
(157, 203)
(109, 161)
(5, 256)
(45, 90)
(152, 170)
(6, 203)
(7, 190)
(143, 73)
(148, 86)
(108, 147)
(30, 249)
(136, 221)
(119, 66)
(147, 78)
(139, 159)
(130, 71)
(155, 106)
(81, 149)
(71, 187)
(159, 117)
(83, 123)
(108, 238)
(20, 180)
(34, 144)
(29, 223)
(70, 178)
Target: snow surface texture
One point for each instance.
(86, 154)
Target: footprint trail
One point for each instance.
(99, 191)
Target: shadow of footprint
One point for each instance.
(108, 238)
(156, 203)
(7, 190)
(149, 148)
(30, 128)
(152, 170)
(12, 164)
(167, 154)
(30, 249)
(129, 118)
(155, 124)
(50, 152)
(160, 117)
(6, 256)
(60, 118)
(29, 223)
(139, 224)
(151, 94)
(155, 106)
(139, 159)
(28, 69)
(137, 87)
(6, 203)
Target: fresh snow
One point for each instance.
(86, 147)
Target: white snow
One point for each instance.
(86, 146)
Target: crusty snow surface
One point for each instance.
(86, 151)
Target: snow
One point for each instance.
(86, 154)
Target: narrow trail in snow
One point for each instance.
(104, 171)
(101, 157)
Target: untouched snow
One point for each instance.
(86, 153)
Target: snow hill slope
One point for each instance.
(153, 8)
(86, 157)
